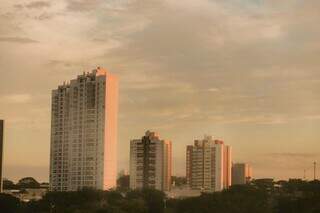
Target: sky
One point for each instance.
(244, 71)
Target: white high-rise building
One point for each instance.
(84, 133)
(208, 165)
(150, 162)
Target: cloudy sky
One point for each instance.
(245, 71)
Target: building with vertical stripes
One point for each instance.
(150, 162)
(84, 133)
(208, 165)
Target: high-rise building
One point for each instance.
(150, 162)
(241, 173)
(84, 133)
(208, 165)
(1, 152)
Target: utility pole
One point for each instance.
(314, 170)
(304, 174)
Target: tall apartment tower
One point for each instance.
(241, 173)
(208, 166)
(84, 133)
(150, 162)
(1, 152)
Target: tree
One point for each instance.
(179, 181)
(266, 184)
(134, 206)
(8, 184)
(294, 196)
(9, 204)
(123, 183)
(28, 182)
(154, 199)
(237, 199)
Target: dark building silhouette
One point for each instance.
(150, 162)
(1, 151)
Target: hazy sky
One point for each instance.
(245, 71)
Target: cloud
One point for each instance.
(293, 155)
(44, 16)
(21, 40)
(285, 164)
(16, 98)
(16, 172)
(226, 48)
(100, 5)
(213, 89)
(60, 63)
(33, 5)
(83, 5)
(38, 5)
(312, 117)
(193, 66)
(18, 6)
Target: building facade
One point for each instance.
(150, 162)
(84, 133)
(1, 153)
(241, 173)
(208, 165)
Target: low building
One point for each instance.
(182, 192)
(27, 195)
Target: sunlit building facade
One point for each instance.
(208, 165)
(241, 173)
(84, 133)
(150, 162)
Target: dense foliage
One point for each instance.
(23, 183)
(87, 201)
(123, 183)
(179, 181)
(9, 204)
(28, 182)
(238, 199)
(263, 196)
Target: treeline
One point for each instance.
(87, 201)
(263, 196)
(23, 183)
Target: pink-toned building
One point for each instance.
(84, 133)
(208, 165)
